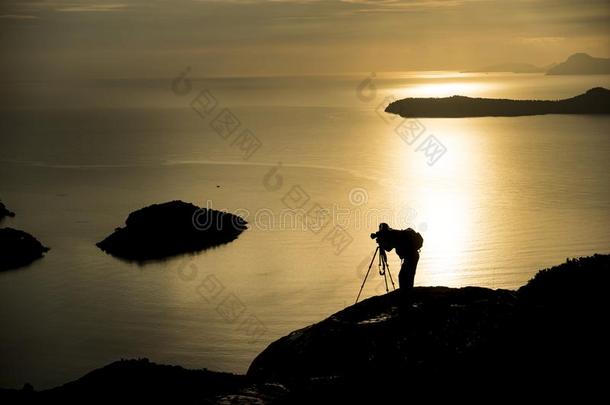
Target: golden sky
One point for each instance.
(150, 38)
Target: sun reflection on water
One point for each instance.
(445, 89)
(447, 194)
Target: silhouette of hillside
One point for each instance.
(581, 64)
(144, 382)
(461, 339)
(594, 101)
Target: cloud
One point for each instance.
(540, 40)
(92, 8)
(393, 5)
(18, 17)
(121, 37)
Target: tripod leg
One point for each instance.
(389, 273)
(391, 280)
(367, 274)
(385, 278)
(383, 262)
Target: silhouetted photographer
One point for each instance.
(407, 243)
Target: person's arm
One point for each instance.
(387, 248)
(384, 243)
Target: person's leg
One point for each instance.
(405, 287)
(402, 275)
(406, 278)
(405, 282)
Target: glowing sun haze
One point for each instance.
(136, 38)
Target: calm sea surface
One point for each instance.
(507, 197)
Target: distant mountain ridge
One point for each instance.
(510, 67)
(577, 64)
(582, 64)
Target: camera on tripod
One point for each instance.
(406, 243)
(383, 228)
(384, 267)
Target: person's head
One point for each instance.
(382, 234)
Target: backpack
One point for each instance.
(417, 241)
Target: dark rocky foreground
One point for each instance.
(4, 212)
(163, 230)
(140, 381)
(594, 101)
(18, 249)
(548, 333)
(546, 340)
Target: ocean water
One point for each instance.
(496, 199)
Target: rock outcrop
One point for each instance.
(467, 338)
(4, 212)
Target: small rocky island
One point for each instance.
(547, 339)
(172, 228)
(594, 101)
(4, 212)
(18, 249)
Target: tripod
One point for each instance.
(384, 270)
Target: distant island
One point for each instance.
(581, 64)
(18, 249)
(577, 64)
(594, 101)
(172, 228)
(468, 341)
(510, 68)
